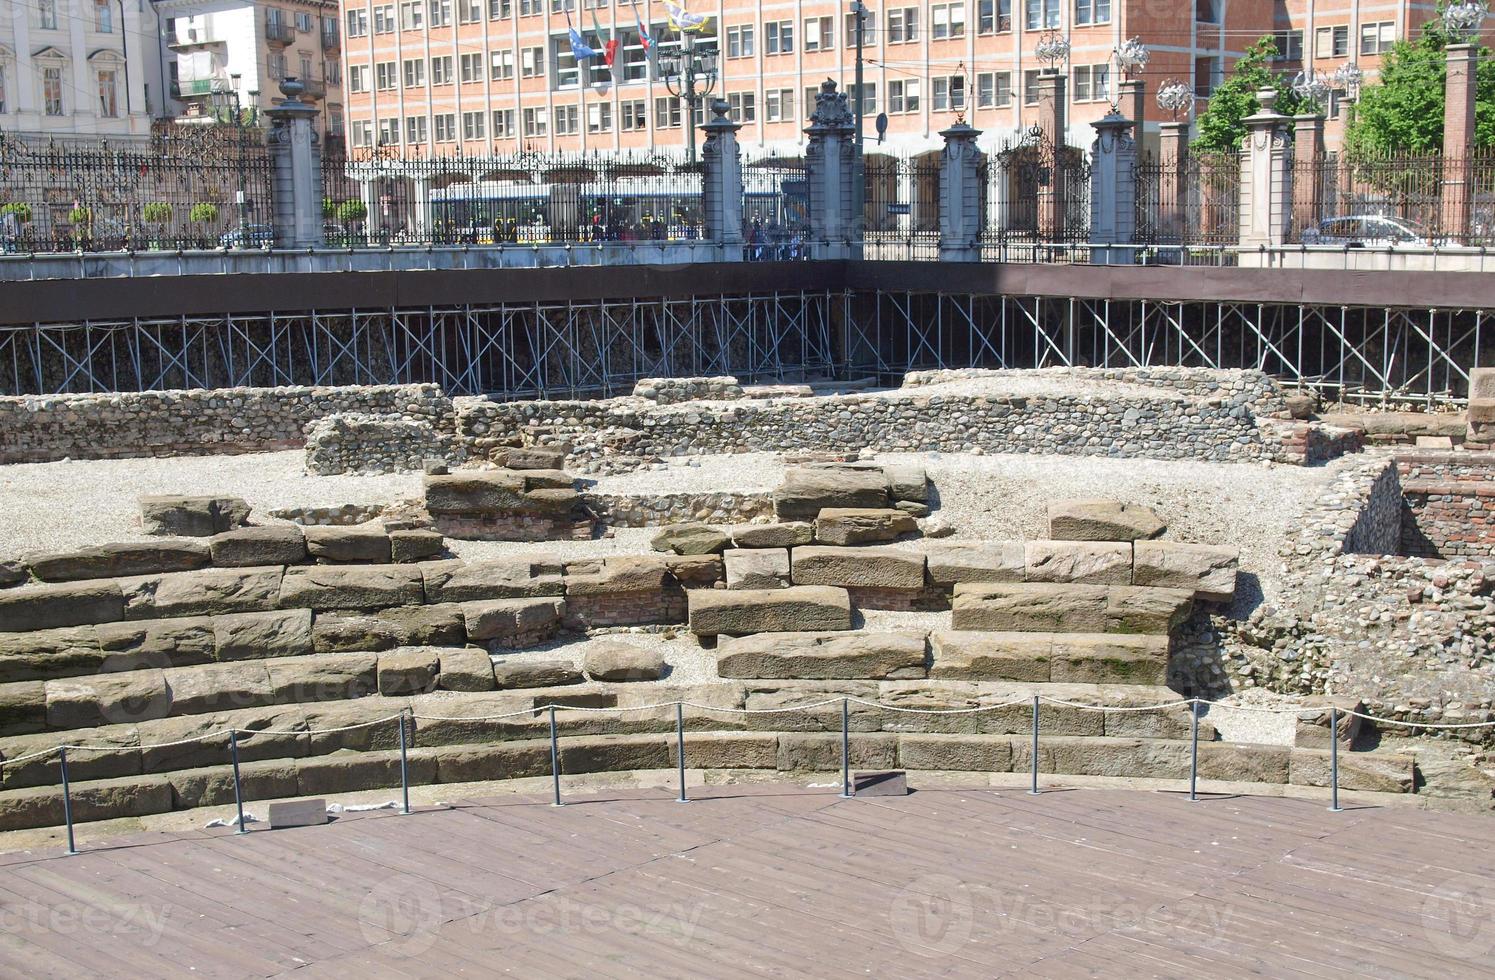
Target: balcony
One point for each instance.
(279, 32)
(193, 37)
(332, 42)
(189, 87)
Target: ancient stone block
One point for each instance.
(120, 559)
(535, 458)
(156, 643)
(1209, 572)
(821, 752)
(467, 669)
(609, 660)
(632, 573)
(180, 742)
(695, 571)
(1089, 562)
(861, 568)
(23, 709)
(757, 568)
(475, 492)
(114, 751)
(1378, 772)
(323, 677)
(49, 653)
(509, 674)
(991, 656)
(461, 581)
(1146, 610)
(793, 610)
(1042, 608)
(349, 772)
(512, 622)
(384, 629)
(1317, 715)
(196, 517)
(805, 491)
(41, 607)
(12, 573)
(729, 750)
(218, 687)
(907, 482)
(823, 656)
(408, 670)
(103, 799)
(850, 525)
(614, 753)
(690, 539)
(995, 561)
(1243, 762)
(108, 699)
(249, 636)
(206, 592)
(359, 543)
(955, 753)
(1106, 658)
(1102, 520)
(784, 535)
(214, 785)
(276, 544)
(323, 587)
(415, 544)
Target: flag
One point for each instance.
(643, 32)
(609, 40)
(683, 20)
(579, 49)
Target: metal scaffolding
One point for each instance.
(593, 348)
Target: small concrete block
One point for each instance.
(298, 813)
(886, 783)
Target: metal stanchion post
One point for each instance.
(555, 759)
(404, 767)
(1033, 789)
(67, 803)
(1334, 760)
(680, 747)
(1193, 751)
(846, 792)
(233, 752)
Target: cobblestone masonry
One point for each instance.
(651, 510)
(360, 443)
(169, 423)
(1413, 637)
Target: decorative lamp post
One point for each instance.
(1176, 97)
(1462, 19)
(1051, 50)
(1131, 58)
(690, 77)
(1313, 87)
(1348, 77)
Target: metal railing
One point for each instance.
(407, 717)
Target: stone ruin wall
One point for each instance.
(1450, 506)
(41, 428)
(1198, 414)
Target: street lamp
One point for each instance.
(1312, 87)
(691, 78)
(1462, 19)
(1174, 97)
(1131, 57)
(1349, 77)
(1052, 48)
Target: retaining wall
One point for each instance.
(1449, 505)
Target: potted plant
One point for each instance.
(350, 213)
(205, 213)
(156, 214)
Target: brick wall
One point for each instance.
(1449, 507)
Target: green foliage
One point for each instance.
(351, 210)
(329, 208)
(156, 212)
(80, 215)
(20, 209)
(204, 212)
(1403, 111)
(1220, 125)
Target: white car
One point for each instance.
(1367, 230)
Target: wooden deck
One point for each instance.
(777, 881)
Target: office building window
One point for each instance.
(819, 33)
(415, 72)
(471, 66)
(869, 29)
(412, 15)
(1207, 11)
(1092, 12)
(993, 89)
(740, 42)
(386, 76)
(1092, 83)
(501, 65)
(903, 25)
(358, 78)
(1208, 73)
(415, 129)
(441, 13)
(993, 16)
(384, 19)
(469, 11)
(503, 123)
(600, 117)
(1289, 45)
(869, 99)
(1377, 38)
(632, 116)
(500, 10)
(947, 20)
(473, 125)
(445, 127)
(389, 131)
(903, 96)
(778, 105)
(778, 37)
(744, 107)
(361, 133)
(1030, 87)
(948, 92)
(532, 62)
(358, 23)
(566, 120)
(666, 112)
(1331, 42)
(1040, 15)
(441, 70)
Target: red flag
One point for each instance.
(610, 51)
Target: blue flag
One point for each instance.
(579, 49)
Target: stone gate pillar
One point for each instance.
(832, 168)
(721, 182)
(1458, 138)
(1053, 122)
(1308, 171)
(961, 175)
(1173, 184)
(1131, 101)
(1266, 176)
(296, 157)
(1113, 190)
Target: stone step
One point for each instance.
(788, 752)
(738, 612)
(1076, 658)
(858, 655)
(1060, 608)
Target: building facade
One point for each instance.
(222, 55)
(78, 68)
(441, 77)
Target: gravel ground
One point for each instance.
(70, 504)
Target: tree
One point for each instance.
(1220, 125)
(351, 210)
(1403, 112)
(204, 213)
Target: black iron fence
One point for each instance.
(1193, 201)
(193, 188)
(775, 208)
(1375, 200)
